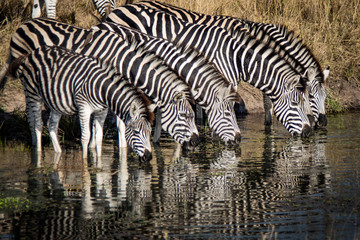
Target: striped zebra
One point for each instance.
(283, 41)
(208, 86)
(145, 70)
(237, 58)
(215, 96)
(70, 83)
(104, 7)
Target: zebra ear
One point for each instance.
(326, 73)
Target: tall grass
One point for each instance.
(330, 28)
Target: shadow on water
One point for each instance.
(270, 186)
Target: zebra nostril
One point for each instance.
(306, 131)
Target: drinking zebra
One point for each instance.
(215, 93)
(102, 6)
(215, 97)
(143, 69)
(282, 40)
(70, 83)
(237, 58)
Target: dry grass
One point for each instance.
(331, 29)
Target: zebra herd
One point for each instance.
(173, 56)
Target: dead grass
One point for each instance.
(331, 29)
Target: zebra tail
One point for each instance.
(3, 74)
(9, 70)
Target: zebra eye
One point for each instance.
(227, 114)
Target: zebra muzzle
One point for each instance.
(322, 121)
(192, 143)
(306, 131)
(146, 157)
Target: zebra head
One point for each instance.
(221, 116)
(178, 119)
(290, 107)
(138, 130)
(318, 97)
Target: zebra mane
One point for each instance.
(146, 101)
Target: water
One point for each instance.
(272, 186)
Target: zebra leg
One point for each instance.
(84, 115)
(98, 126)
(121, 133)
(199, 115)
(33, 112)
(53, 125)
(157, 131)
(268, 110)
(50, 6)
(36, 10)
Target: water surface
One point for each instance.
(271, 186)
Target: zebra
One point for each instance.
(145, 70)
(38, 32)
(284, 41)
(237, 58)
(102, 6)
(197, 73)
(70, 83)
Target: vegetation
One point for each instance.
(331, 29)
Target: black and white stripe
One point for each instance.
(209, 88)
(241, 58)
(70, 83)
(104, 7)
(284, 41)
(144, 69)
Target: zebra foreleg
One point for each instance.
(157, 131)
(268, 110)
(36, 10)
(84, 115)
(33, 112)
(53, 125)
(98, 124)
(199, 114)
(50, 6)
(121, 133)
